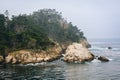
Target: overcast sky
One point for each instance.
(96, 18)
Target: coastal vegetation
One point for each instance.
(38, 30)
(38, 37)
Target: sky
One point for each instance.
(98, 19)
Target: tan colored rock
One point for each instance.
(47, 58)
(14, 60)
(40, 59)
(1, 59)
(77, 52)
(9, 58)
(32, 56)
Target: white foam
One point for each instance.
(95, 61)
(33, 64)
(97, 48)
(110, 59)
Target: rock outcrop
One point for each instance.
(1, 59)
(34, 56)
(103, 59)
(77, 53)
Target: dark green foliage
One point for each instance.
(2, 22)
(36, 31)
(4, 36)
(56, 27)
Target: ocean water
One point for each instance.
(59, 70)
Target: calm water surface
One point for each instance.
(59, 70)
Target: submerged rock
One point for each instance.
(103, 59)
(34, 56)
(109, 47)
(77, 53)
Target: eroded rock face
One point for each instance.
(77, 52)
(31, 56)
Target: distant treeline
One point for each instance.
(36, 31)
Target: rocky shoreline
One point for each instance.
(34, 56)
(26, 56)
(75, 52)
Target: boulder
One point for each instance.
(103, 59)
(77, 53)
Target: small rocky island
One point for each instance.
(41, 36)
(75, 53)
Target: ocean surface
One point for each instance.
(59, 70)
